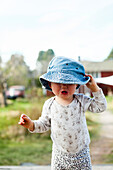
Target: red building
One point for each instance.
(99, 70)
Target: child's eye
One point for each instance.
(70, 84)
(58, 83)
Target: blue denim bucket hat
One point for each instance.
(64, 70)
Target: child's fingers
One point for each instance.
(91, 78)
(24, 120)
(88, 75)
(24, 117)
(21, 123)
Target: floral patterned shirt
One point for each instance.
(69, 131)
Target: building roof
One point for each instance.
(105, 80)
(91, 66)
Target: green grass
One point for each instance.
(19, 104)
(16, 153)
(17, 145)
(109, 158)
(110, 103)
(93, 125)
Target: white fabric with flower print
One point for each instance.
(68, 126)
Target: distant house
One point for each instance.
(99, 70)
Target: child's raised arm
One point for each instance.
(26, 122)
(92, 85)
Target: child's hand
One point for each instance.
(26, 122)
(92, 85)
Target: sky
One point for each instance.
(71, 28)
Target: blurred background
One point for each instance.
(32, 32)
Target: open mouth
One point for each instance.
(64, 92)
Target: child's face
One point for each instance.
(63, 90)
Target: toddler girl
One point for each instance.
(64, 113)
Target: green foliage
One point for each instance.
(34, 82)
(46, 55)
(18, 70)
(41, 55)
(43, 60)
(37, 82)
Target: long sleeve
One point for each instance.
(43, 124)
(96, 104)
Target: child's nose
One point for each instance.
(63, 85)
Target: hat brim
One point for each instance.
(63, 78)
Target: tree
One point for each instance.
(110, 57)
(18, 70)
(46, 55)
(3, 84)
(41, 56)
(14, 72)
(43, 59)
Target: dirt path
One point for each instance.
(104, 145)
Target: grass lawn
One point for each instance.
(16, 153)
(110, 103)
(17, 145)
